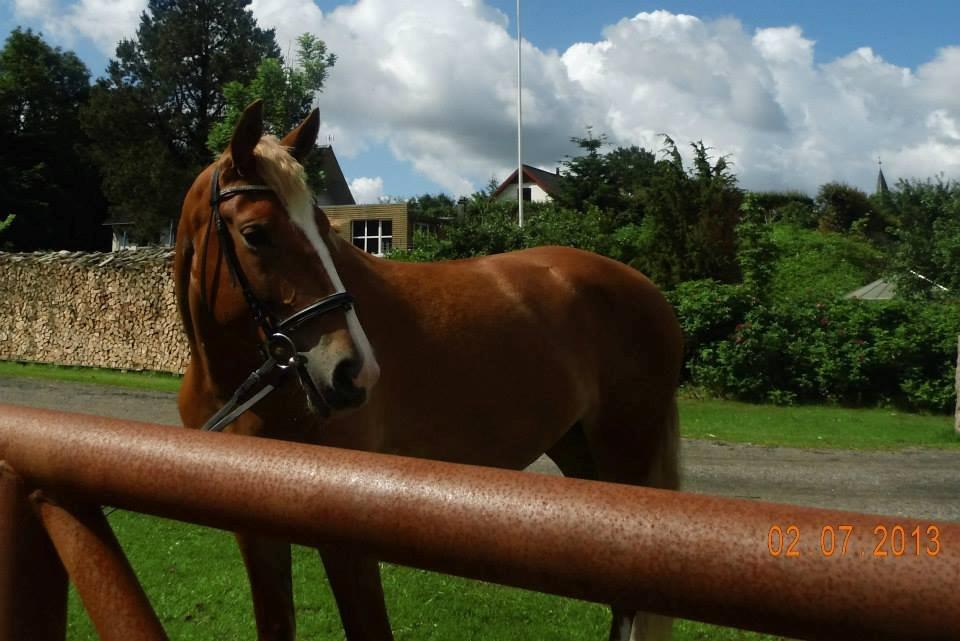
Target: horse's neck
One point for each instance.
(383, 304)
(361, 273)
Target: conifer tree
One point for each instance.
(151, 114)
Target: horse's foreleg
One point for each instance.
(639, 447)
(268, 568)
(355, 581)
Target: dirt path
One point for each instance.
(919, 483)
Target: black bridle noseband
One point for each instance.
(278, 348)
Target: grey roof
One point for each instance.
(877, 290)
(336, 191)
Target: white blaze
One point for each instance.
(370, 372)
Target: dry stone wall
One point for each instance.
(115, 310)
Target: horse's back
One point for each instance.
(608, 298)
(561, 299)
(516, 348)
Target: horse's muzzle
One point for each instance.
(344, 392)
(341, 394)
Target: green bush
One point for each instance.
(797, 213)
(494, 230)
(814, 265)
(550, 225)
(708, 312)
(843, 351)
(840, 205)
(491, 229)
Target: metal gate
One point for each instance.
(782, 569)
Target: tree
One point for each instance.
(4, 226)
(794, 207)
(287, 93)
(152, 113)
(432, 207)
(688, 229)
(839, 206)
(756, 250)
(46, 179)
(927, 240)
(612, 182)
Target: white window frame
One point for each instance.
(366, 237)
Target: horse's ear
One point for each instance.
(301, 140)
(246, 135)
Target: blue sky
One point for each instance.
(421, 101)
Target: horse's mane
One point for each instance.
(283, 174)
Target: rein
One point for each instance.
(277, 345)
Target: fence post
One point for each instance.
(98, 568)
(956, 413)
(33, 584)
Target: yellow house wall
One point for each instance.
(341, 217)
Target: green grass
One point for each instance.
(155, 381)
(814, 426)
(195, 580)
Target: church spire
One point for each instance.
(881, 181)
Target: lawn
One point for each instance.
(155, 381)
(817, 426)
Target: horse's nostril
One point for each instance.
(344, 373)
(343, 393)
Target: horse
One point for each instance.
(488, 361)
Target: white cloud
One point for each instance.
(33, 8)
(367, 190)
(104, 22)
(434, 82)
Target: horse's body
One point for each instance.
(490, 361)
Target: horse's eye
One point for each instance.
(256, 237)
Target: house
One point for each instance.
(538, 186)
(376, 229)
(879, 289)
(336, 191)
(373, 228)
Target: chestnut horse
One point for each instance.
(488, 361)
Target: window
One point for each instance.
(527, 194)
(374, 236)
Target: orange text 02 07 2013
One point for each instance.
(784, 541)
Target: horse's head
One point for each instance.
(254, 259)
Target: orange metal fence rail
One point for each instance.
(795, 571)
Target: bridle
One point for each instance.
(277, 347)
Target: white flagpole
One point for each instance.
(519, 123)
